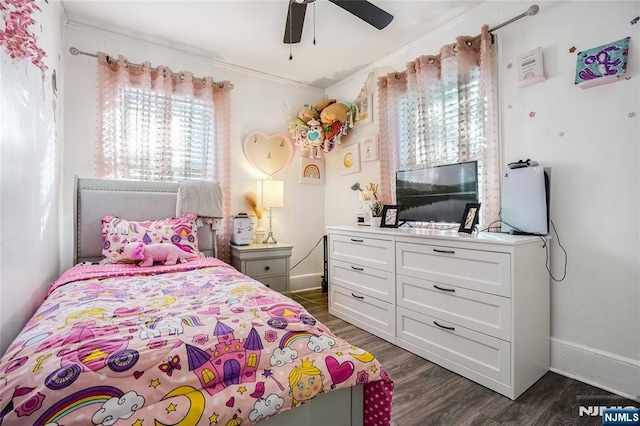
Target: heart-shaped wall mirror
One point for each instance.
(268, 153)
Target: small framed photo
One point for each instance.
(389, 217)
(470, 218)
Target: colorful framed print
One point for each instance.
(311, 171)
(602, 64)
(350, 159)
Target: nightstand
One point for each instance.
(267, 263)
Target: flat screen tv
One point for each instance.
(436, 194)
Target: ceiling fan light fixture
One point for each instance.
(363, 9)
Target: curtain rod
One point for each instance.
(76, 52)
(533, 10)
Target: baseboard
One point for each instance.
(605, 370)
(305, 282)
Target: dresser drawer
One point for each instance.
(368, 313)
(486, 355)
(364, 251)
(486, 313)
(485, 271)
(265, 267)
(370, 281)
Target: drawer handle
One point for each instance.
(442, 326)
(266, 268)
(357, 241)
(357, 269)
(357, 297)
(444, 251)
(451, 290)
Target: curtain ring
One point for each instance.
(181, 76)
(469, 43)
(431, 60)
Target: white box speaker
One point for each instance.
(525, 200)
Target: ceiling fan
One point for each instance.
(363, 9)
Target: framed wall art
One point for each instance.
(369, 148)
(602, 64)
(311, 171)
(350, 159)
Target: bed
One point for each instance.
(186, 344)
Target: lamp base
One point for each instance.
(269, 239)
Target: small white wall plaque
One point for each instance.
(531, 68)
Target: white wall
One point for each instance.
(257, 103)
(30, 157)
(590, 139)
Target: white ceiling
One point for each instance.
(249, 33)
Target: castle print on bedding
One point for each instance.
(196, 343)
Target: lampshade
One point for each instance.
(270, 193)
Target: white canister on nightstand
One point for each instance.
(242, 230)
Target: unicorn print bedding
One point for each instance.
(196, 343)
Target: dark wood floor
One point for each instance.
(427, 394)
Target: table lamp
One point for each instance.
(270, 193)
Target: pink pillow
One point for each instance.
(118, 232)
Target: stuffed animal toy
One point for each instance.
(322, 105)
(315, 134)
(149, 253)
(307, 113)
(330, 130)
(334, 112)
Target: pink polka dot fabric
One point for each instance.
(377, 401)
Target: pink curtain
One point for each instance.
(152, 99)
(441, 110)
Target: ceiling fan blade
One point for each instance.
(366, 11)
(295, 20)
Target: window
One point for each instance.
(444, 125)
(165, 137)
(443, 109)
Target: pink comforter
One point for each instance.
(196, 343)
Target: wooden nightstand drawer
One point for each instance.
(267, 263)
(265, 267)
(275, 283)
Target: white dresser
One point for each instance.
(476, 305)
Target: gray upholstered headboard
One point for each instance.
(132, 200)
